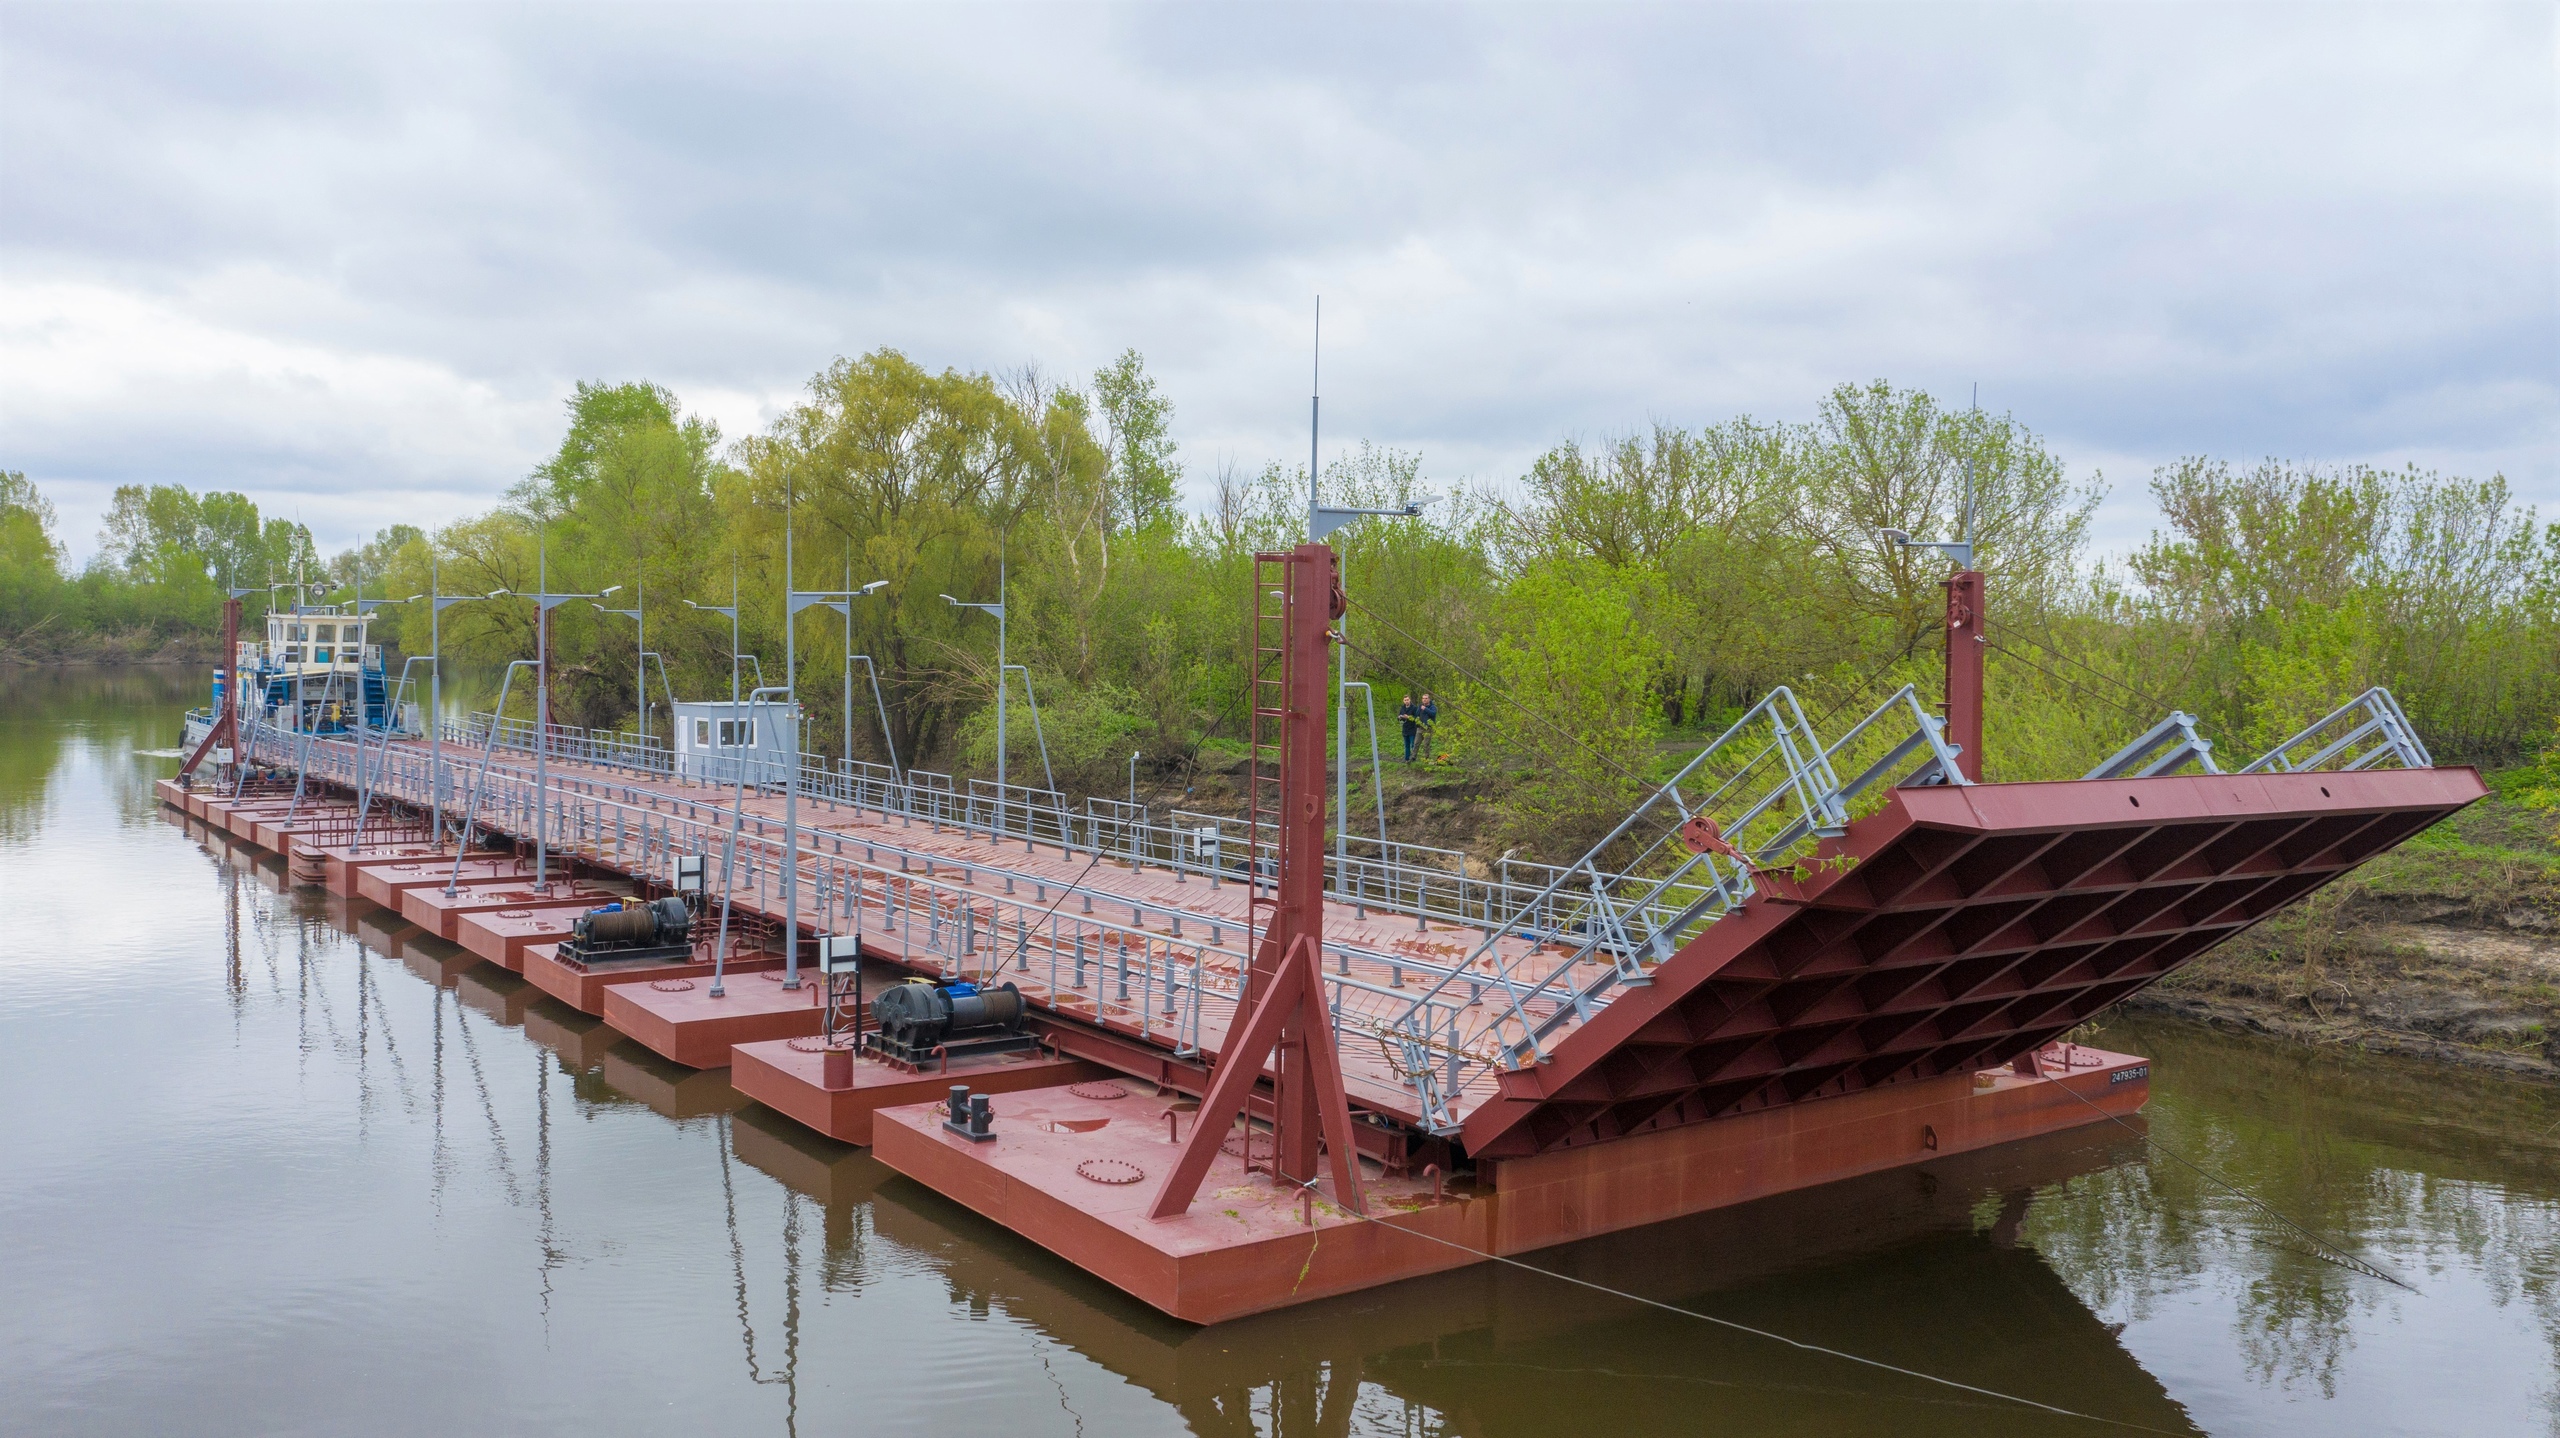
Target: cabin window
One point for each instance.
(293, 654)
(328, 633)
(320, 654)
(702, 733)
(737, 733)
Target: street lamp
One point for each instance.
(841, 601)
(544, 602)
(640, 676)
(730, 609)
(996, 609)
(365, 776)
(435, 683)
(1322, 521)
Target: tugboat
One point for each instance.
(316, 673)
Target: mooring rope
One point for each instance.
(2324, 1248)
(1745, 1328)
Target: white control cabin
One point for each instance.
(314, 644)
(714, 737)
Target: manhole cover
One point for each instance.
(515, 913)
(1239, 1146)
(408, 868)
(815, 1044)
(1113, 1171)
(1098, 1090)
(671, 986)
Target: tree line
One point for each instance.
(1583, 624)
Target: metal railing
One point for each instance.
(2363, 733)
(1448, 1010)
(1739, 815)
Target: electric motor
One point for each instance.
(664, 921)
(915, 1017)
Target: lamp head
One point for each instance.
(875, 586)
(610, 589)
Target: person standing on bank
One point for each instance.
(1407, 715)
(1428, 711)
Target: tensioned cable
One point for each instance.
(1022, 940)
(1745, 1328)
(2156, 702)
(2332, 1251)
(2077, 688)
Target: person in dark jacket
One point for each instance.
(1428, 711)
(1408, 715)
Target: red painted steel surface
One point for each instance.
(346, 861)
(1977, 924)
(432, 909)
(385, 883)
(1251, 1245)
(1965, 643)
(501, 935)
(583, 989)
(1287, 1022)
(786, 1075)
(697, 1030)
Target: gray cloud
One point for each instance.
(350, 260)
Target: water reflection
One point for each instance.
(356, 1163)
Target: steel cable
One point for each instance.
(2329, 1250)
(1745, 1328)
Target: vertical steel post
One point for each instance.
(1287, 1016)
(790, 761)
(1965, 643)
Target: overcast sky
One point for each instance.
(350, 260)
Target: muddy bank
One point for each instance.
(2445, 949)
(2477, 998)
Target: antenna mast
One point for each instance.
(1315, 406)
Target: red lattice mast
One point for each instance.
(1296, 598)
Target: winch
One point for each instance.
(660, 930)
(921, 1022)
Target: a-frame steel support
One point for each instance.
(1296, 597)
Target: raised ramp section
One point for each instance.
(1954, 930)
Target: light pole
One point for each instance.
(640, 679)
(730, 609)
(841, 601)
(382, 751)
(439, 602)
(544, 602)
(1322, 521)
(996, 609)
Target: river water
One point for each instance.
(274, 1162)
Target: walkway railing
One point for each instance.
(1537, 948)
